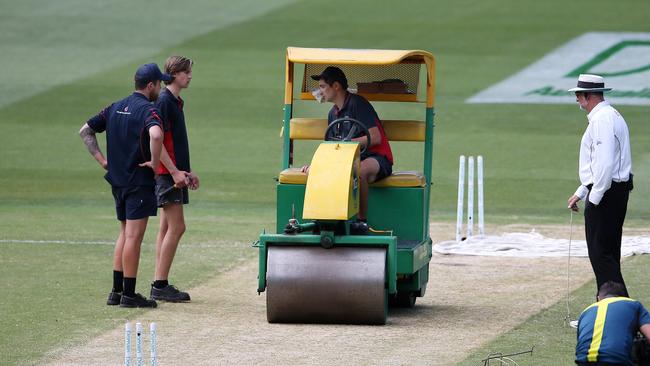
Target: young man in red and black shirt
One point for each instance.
(174, 177)
(377, 161)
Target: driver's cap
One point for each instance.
(332, 74)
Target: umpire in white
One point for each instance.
(605, 177)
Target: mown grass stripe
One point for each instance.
(101, 35)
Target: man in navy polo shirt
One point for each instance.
(377, 161)
(133, 141)
(606, 329)
(174, 177)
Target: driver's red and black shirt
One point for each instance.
(357, 107)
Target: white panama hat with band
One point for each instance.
(588, 83)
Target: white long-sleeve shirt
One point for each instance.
(604, 152)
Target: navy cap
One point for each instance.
(332, 74)
(151, 72)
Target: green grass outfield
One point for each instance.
(52, 294)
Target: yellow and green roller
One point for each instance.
(316, 271)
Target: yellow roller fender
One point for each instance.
(332, 191)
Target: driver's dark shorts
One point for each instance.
(385, 166)
(134, 203)
(165, 194)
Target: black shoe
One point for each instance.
(359, 228)
(114, 298)
(169, 293)
(137, 301)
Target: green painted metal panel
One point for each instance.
(413, 257)
(428, 161)
(428, 143)
(286, 142)
(288, 195)
(401, 210)
(404, 261)
(262, 255)
(422, 255)
(398, 209)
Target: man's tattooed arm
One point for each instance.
(90, 140)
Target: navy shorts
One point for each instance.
(134, 203)
(166, 193)
(385, 166)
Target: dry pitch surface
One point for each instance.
(469, 301)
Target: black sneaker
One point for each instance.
(169, 293)
(114, 298)
(359, 228)
(137, 301)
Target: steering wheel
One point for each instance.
(333, 132)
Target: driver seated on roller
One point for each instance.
(377, 160)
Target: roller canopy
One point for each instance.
(356, 56)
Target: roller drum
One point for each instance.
(310, 284)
